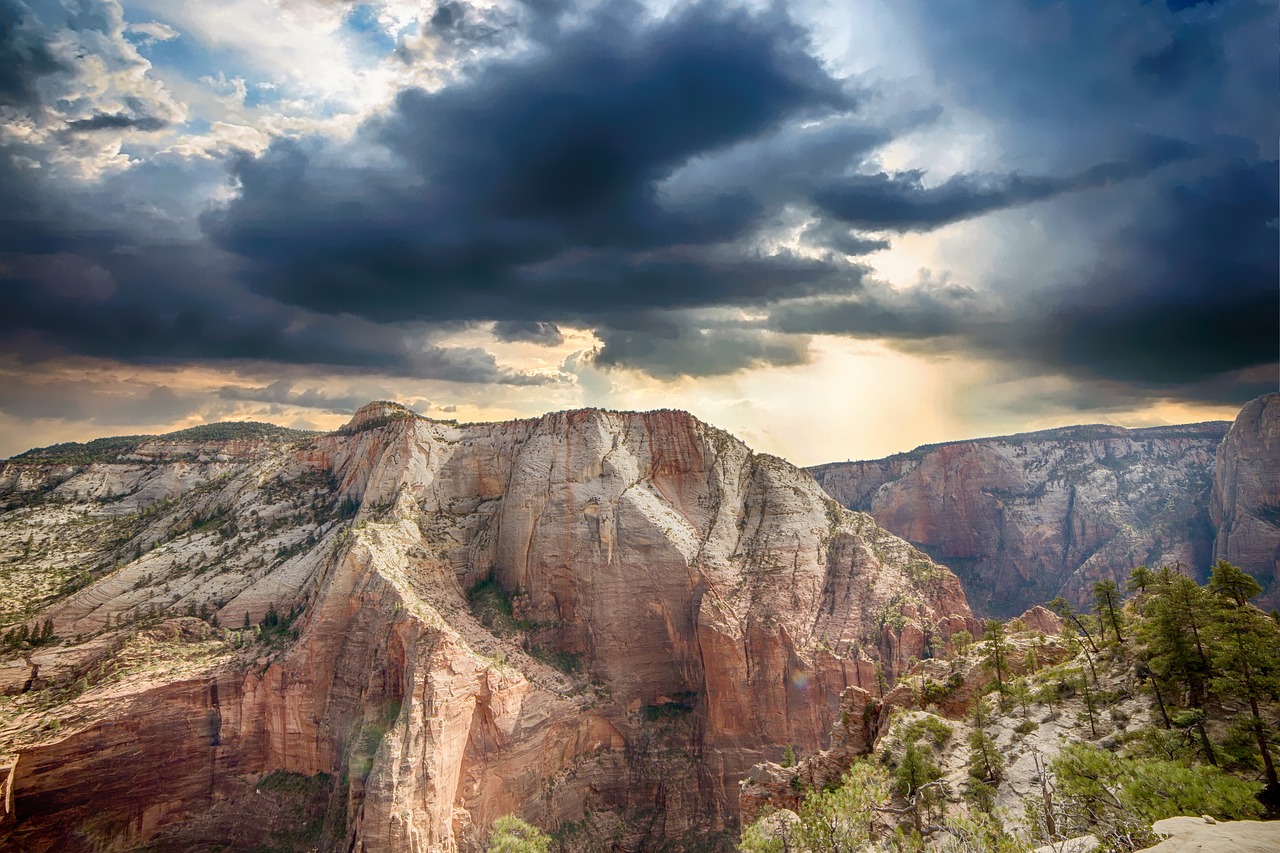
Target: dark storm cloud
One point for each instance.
(25, 56)
(461, 24)
(282, 392)
(78, 281)
(128, 307)
(116, 121)
(532, 187)
(652, 178)
(1175, 290)
(528, 331)
(668, 345)
(1183, 301)
(1063, 83)
(1186, 292)
(901, 202)
(931, 309)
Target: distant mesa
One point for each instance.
(1024, 518)
(376, 414)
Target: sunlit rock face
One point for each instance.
(1246, 492)
(671, 609)
(1024, 518)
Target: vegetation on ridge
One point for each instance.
(1205, 661)
(110, 449)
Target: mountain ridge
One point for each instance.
(1023, 518)
(302, 608)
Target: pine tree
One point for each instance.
(1140, 580)
(985, 762)
(1231, 582)
(1031, 661)
(914, 776)
(997, 659)
(1107, 596)
(1245, 648)
(1174, 626)
(1090, 703)
(1060, 606)
(1172, 636)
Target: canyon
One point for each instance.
(1025, 518)
(253, 637)
(614, 625)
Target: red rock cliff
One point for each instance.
(709, 605)
(1246, 492)
(1024, 518)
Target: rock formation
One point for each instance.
(238, 622)
(1024, 518)
(1246, 495)
(1197, 835)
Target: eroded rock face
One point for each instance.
(1246, 492)
(1024, 518)
(715, 602)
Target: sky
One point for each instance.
(837, 229)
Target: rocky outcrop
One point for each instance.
(1246, 495)
(1024, 518)
(1200, 835)
(770, 786)
(697, 599)
(943, 688)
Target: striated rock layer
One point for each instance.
(705, 606)
(1024, 518)
(1246, 495)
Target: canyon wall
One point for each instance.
(1024, 518)
(1246, 495)
(669, 609)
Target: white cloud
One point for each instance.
(153, 31)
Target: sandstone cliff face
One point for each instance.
(1246, 495)
(1024, 518)
(706, 602)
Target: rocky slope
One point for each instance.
(702, 605)
(984, 753)
(1246, 495)
(1024, 518)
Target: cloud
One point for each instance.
(932, 308)
(694, 186)
(529, 331)
(116, 121)
(670, 345)
(70, 395)
(1185, 292)
(68, 72)
(151, 32)
(282, 392)
(901, 202)
(25, 56)
(1159, 284)
(533, 186)
(1181, 301)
